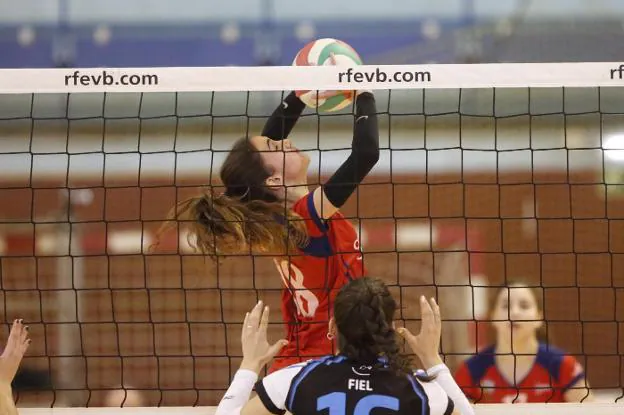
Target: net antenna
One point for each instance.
(70, 274)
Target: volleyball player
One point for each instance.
(520, 366)
(267, 208)
(368, 373)
(11, 357)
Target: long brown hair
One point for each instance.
(247, 218)
(538, 293)
(363, 311)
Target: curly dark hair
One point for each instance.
(363, 311)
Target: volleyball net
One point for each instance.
(487, 173)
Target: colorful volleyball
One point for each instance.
(321, 52)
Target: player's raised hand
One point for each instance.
(257, 351)
(13, 352)
(426, 344)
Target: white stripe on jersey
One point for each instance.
(277, 384)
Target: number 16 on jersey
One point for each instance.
(336, 402)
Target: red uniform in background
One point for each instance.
(312, 280)
(552, 374)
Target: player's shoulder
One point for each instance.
(478, 365)
(305, 207)
(554, 359)
(318, 363)
(277, 389)
(549, 355)
(548, 350)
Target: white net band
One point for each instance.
(223, 79)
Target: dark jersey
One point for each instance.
(334, 385)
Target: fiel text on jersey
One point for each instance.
(359, 385)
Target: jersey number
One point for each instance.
(336, 402)
(306, 301)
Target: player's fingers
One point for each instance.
(264, 322)
(20, 349)
(275, 348)
(405, 333)
(436, 311)
(425, 310)
(23, 335)
(245, 325)
(254, 316)
(14, 333)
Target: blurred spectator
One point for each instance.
(521, 366)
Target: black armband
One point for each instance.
(364, 153)
(283, 119)
(450, 407)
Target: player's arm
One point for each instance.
(572, 375)
(579, 392)
(7, 405)
(272, 392)
(257, 352)
(255, 407)
(284, 117)
(464, 380)
(426, 346)
(11, 357)
(439, 402)
(364, 155)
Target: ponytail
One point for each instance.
(364, 321)
(224, 225)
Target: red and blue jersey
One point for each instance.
(313, 278)
(551, 375)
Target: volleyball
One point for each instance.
(327, 51)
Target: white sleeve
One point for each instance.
(439, 401)
(238, 393)
(446, 381)
(273, 389)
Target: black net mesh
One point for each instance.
(474, 187)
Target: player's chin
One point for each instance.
(303, 163)
(304, 158)
(522, 330)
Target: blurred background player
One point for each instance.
(267, 208)
(520, 366)
(11, 357)
(368, 373)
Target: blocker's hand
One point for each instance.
(257, 351)
(426, 344)
(14, 351)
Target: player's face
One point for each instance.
(283, 159)
(516, 314)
